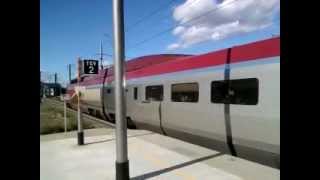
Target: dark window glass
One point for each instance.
(73, 81)
(135, 93)
(219, 92)
(109, 91)
(239, 91)
(186, 92)
(154, 93)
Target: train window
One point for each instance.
(135, 93)
(244, 91)
(186, 92)
(108, 91)
(219, 91)
(73, 81)
(239, 91)
(154, 93)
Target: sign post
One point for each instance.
(122, 162)
(80, 129)
(85, 67)
(65, 99)
(65, 117)
(80, 123)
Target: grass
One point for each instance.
(52, 119)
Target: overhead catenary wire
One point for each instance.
(110, 43)
(149, 15)
(106, 54)
(143, 19)
(110, 39)
(186, 22)
(155, 12)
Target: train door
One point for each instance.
(182, 112)
(190, 115)
(147, 111)
(255, 110)
(109, 102)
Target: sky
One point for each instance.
(74, 28)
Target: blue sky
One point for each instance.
(74, 28)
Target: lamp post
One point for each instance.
(122, 162)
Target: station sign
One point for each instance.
(90, 67)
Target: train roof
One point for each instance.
(242, 53)
(141, 62)
(144, 61)
(167, 63)
(149, 60)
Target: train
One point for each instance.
(227, 100)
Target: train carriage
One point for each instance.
(228, 100)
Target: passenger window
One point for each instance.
(73, 81)
(219, 92)
(240, 91)
(135, 93)
(154, 93)
(108, 91)
(185, 92)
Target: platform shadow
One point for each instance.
(107, 140)
(162, 171)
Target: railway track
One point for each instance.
(86, 116)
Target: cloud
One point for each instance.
(178, 30)
(173, 46)
(227, 18)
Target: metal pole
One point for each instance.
(122, 162)
(44, 91)
(41, 88)
(101, 55)
(55, 78)
(80, 129)
(69, 73)
(65, 116)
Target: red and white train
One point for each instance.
(227, 100)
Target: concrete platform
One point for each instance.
(151, 156)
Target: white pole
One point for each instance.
(122, 162)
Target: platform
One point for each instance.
(151, 156)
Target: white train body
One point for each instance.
(244, 122)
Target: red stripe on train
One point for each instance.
(211, 59)
(252, 51)
(256, 50)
